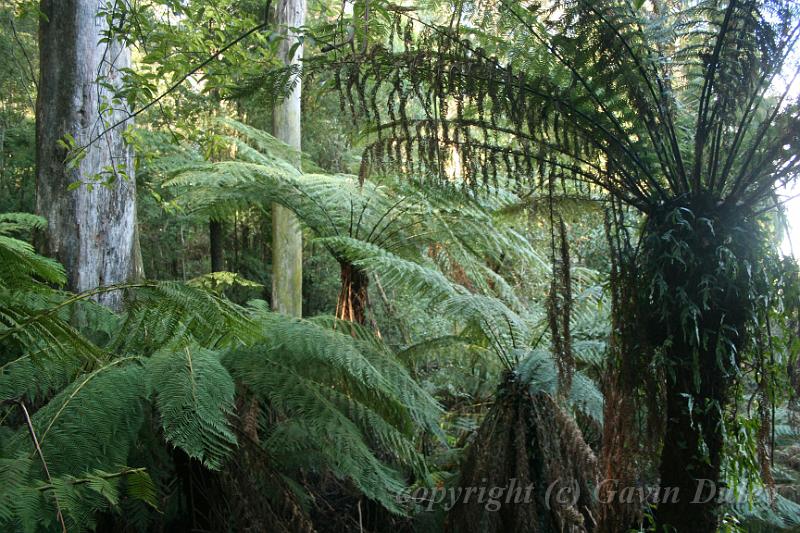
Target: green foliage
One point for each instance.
(18, 78)
(194, 396)
(91, 424)
(335, 403)
(20, 266)
(362, 223)
(343, 404)
(669, 107)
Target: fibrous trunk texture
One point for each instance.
(529, 446)
(633, 406)
(91, 228)
(353, 295)
(287, 238)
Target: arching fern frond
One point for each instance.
(160, 313)
(194, 395)
(427, 282)
(345, 402)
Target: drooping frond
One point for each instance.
(22, 268)
(506, 331)
(648, 103)
(194, 395)
(158, 313)
(427, 282)
(343, 401)
(539, 371)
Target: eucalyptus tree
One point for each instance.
(287, 238)
(679, 110)
(84, 177)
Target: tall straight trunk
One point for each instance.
(215, 245)
(91, 229)
(287, 239)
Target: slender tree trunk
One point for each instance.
(215, 241)
(287, 238)
(91, 228)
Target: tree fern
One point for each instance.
(398, 217)
(338, 403)
(429, 283)
(343, 403)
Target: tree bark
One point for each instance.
(215, 245)
(91, 228)
(287, 238)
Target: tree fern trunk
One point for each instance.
(691, 457)
(287, 238)
(698, 311)
(685, 468)
(353, 295)
(92, 228)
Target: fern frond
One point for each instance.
(34, 334)
(538, 370)
(22, 268)
(194, 396)
(505, 329)
(160, 313)
(346, 401)
(90, 425)
(35, 376)
(394, 271)
(317, 433)
(12, 223)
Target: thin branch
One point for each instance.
(777, 205)
(32, 433)
(174, 86)
(24, 53)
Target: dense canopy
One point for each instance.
(427, 266)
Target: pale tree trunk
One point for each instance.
(287, 239)
(91, 229)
